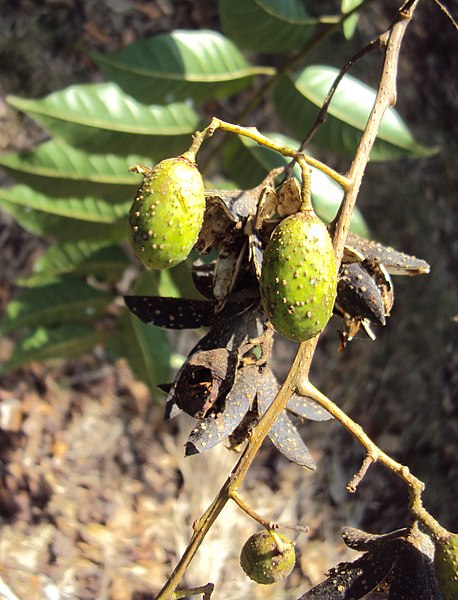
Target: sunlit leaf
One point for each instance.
(299, 96)
(68, 300)
(248, 163)
(268, 26)
(68, 341)
(180, 65)
(350, 24)
(58, 169)
(100, 117)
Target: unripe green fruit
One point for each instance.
(446, 566)
(167, 213)
(263, 562)
(298, 277)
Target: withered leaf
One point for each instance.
(172, 313)
(217, 226)
(203, 275)
(413, 576)
(306, 408)
(227, 270)
(358, 295)
(228, 334)
(360, 540)
(183, 313)
(397, 263)
(212, 430)
(353, 580)
(283, 433)
(289, 197)
(206, 377)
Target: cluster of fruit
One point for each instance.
(276, 265)
(298, 274)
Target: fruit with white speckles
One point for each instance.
(268, 557)
(298, 278)
(167, 212)
(446, 566)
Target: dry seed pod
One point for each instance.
(262, 559)
(446, 566)
(167, 213)
(298, 279)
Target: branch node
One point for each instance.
(368, 461)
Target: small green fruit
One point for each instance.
(298, 277)
(167, 213)
(263, 561)
(446, 566)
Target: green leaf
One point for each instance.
(146, 348)
(68, 300)
(63, 228)
(299, 96)
(99, 117)
(44, 343)
(268, 26)
(58, 169)
(248, 164)
(176, 66)
(350, 24)
(98, 259)
(88, 209)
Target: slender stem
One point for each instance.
(206, 590)
(202, 526)
(386, 96)
(375, 454)
(253, 134)
(298, 376)
(235, 496)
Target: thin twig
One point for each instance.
(298, 376)
(446, 11)
(352, 485)
(322, 32)
(375, 454)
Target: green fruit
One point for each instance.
(446, 566)
(298, 277)
(167, 213)
(263, 561)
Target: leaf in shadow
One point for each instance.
(353, 580)
(172, 313)
(212, 430)
(306, 408)
(206, 377)
(283, 433)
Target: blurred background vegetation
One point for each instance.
(87, 459)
